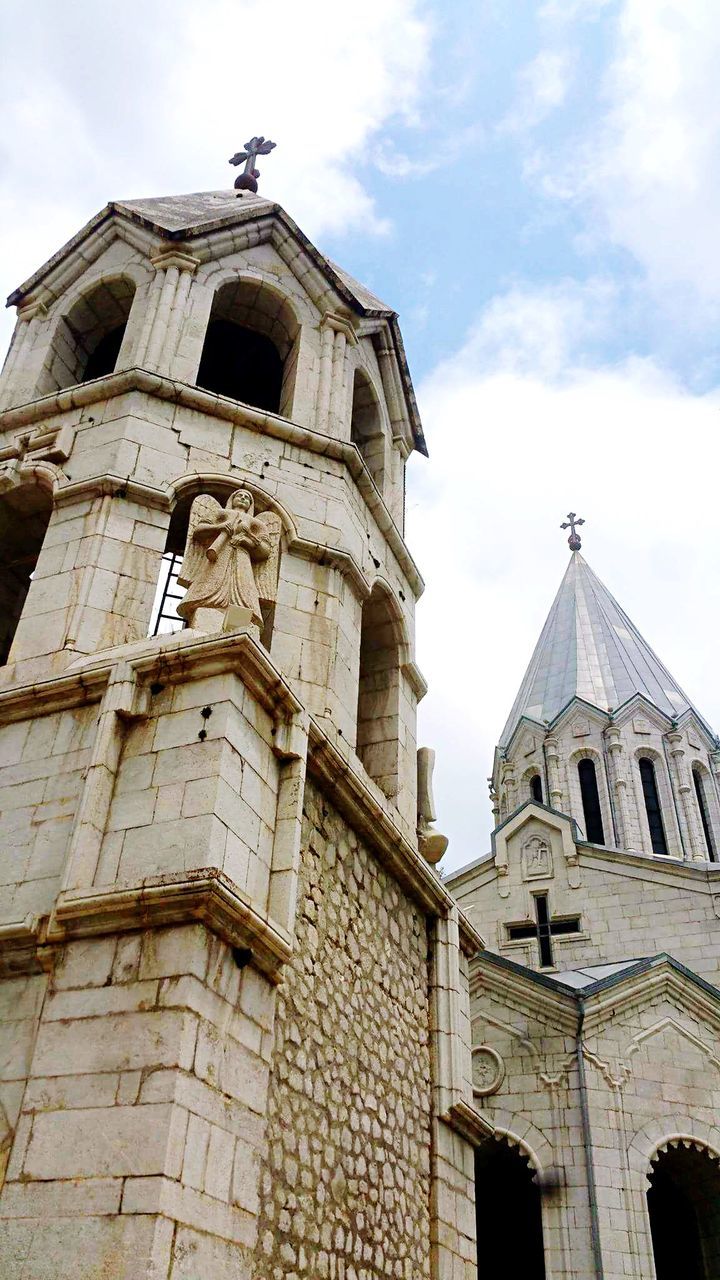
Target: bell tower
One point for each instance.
(216, 917)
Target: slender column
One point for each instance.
(509, 782)
(17, 358)
(552, 755)
(338, 383)
(327, 342)
(619, 784)
(176, 270)
(687, 808)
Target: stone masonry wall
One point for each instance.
(345, 1190)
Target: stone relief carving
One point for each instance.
(536, 859)
(488, 1070)
(431, 844)
(231, 562)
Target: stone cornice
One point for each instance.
(524, 989)
(205, 894)
(356, 800)
(468, 1122)
(225, 409)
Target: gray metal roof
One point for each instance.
(590, 649)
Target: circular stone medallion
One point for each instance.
(488, 1070)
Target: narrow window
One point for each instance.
(366, 430)
(378, 709)
(24, 517)
(652, 806)
(250, 348)
(591, 802)
(87, 341)
(508, 1214)
(704, 815)
(536, 788)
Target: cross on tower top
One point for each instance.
(572, 523)
(258, 146)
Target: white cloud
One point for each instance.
(523, 426)
(649, 165)
(152, 99)
(543, 86)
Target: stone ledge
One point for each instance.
(206, 895)
(468, 1122)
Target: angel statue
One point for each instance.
(231, 558)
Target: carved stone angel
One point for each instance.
(231, 558)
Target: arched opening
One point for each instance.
(366, 430)
(536, 790)
(653, 809)
(702, 802)
(684, 1206)
(87, 341)
(592, 812)
(508, 1214)
(250, 347)
(24, 517)
(378, 711)
(165, 619)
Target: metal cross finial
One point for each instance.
(572, 522)
(247, 180)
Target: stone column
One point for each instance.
(618, 783)
(166, 308)
(509, 782)
(18, 376)
(552, 755)
(332, 402)
(681, 782)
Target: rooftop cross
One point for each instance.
(247, 180)
(572, 522)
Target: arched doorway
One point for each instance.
(24, 517)
(86, 342)
(684, 1206)
(508, 1214)
(249, 348)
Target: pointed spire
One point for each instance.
(590, 649)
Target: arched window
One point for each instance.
(366, 429)
(536, 790)
(508, 1214)
(87, 341)
(592, 812)
(699, 783)
(652, 806)
(165, 619)
(378, 712)
(684, 1207)
(249, 347)
(24, 516)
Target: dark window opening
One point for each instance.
(684, 1207)
(699, 782)
(24, 517)
(103, 359)
(536, 790)
(239, 363)
(366, 430)
(508, 1215)
(378, 710)
(544, 928)
(652, 806)
(587, 774)
(87, 341)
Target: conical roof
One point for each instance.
(590, 649)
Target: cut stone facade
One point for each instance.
(235, 1033)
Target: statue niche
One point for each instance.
(230, 564)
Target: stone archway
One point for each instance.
(508, 1213)
(684, 1208)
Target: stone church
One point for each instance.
(247, 1030)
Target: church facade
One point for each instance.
(234, 1010)
(247, 1030)
(595, 1005)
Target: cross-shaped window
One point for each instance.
(544, 928)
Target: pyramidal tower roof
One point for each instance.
(590, 649)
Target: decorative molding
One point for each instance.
(488, 1070)
(468, 1122)
(205, 894)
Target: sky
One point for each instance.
(535, 188)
